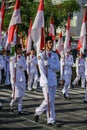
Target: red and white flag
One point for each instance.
(29, 39)
(67, 43)
(13, 43)
(59, 45)
(37, 28)
(52, 32)
(82, 40)
(16, 19)
(3, 12)
(51, 29)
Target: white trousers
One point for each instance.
(33, 80)
(82, 76)
(65, 90)
(7, 80)
(44, 105)
(86, 90)
(20, 99)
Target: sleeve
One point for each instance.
(12, 62)
(42, 69)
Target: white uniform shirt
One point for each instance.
(68, 62)
(32, 64)
(20, 61)
(48, 76)
(81, 65)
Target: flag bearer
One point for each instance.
(67, 73)
(85, 100)
(32, 65)
(17, 68)
(80, 70)
(48, 63)
(7, 61)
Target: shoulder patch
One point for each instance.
(39, 57)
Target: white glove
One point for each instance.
(79, 65)
(15, 65)
(46, 63)
(63, 63)
(29, 61)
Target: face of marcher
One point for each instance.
(49, 45)
(19, 51)
(32, 52)
(81, 55)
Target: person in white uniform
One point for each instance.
(17, 68)
(7, 61)
(2, 63)
(32, 71)
(67, 73)
(85, 100)
(48, 62)
(80, 70)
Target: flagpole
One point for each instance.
(48, 101)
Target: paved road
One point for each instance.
(70, 114)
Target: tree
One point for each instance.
(29, 9)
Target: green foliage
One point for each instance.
(29, 9)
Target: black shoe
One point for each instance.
(36, 117)
(53, 124)
(85, 101)
(73, 86)
(11, 109)
(21, 113)
(0, 108)
(66, 97)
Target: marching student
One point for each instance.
(67, 73)
(48, 62)
(85, 100)
(80, 70)
(7, 61)
(32, 71)
(17, 68)
(2, 64)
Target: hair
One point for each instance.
(48, 38)
(18, 46)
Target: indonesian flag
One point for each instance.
(67, 43)
(16, 19)
(52, 33)
(59, 45)
(82, 41)
(29, 39)
(13, 43)
(51, 29)
(3, 12)
(38, 27)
